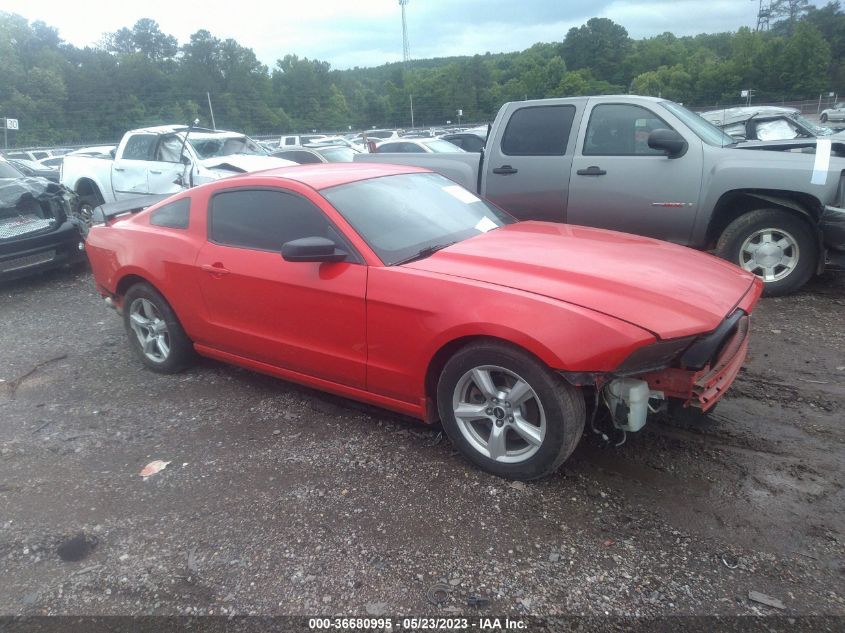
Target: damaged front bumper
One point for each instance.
(38, 227)
(34, 253)
(702, 389)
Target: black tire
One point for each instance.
(781, 223)
(180, 351)
(87, 204)
(823, 118)
(562, 404)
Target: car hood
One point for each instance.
(243, 163)
(667, 289)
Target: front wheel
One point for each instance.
(507, 412)
(823, 118)
(154, 332)
(777, 246)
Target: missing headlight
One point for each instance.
(658, 355)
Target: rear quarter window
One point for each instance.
(175, 215)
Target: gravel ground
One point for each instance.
(282, 500)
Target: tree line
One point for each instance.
(138, 76)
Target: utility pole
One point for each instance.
(213, 125)
(412, 110)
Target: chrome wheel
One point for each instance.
(769, 253)
(499, 414)
(151, 329)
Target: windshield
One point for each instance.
(816, 129)
(7, 171)
(212, 147)
(704, 130)
(399, 216)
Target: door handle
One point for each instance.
(504, 169)
(119, 169)
(215, 269)
(153, 171)
(591, 171)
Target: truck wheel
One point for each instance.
(154, 332)
(777, 246)
(823, 118)
(507, 412)
(87, 204)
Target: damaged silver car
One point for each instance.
(39, 225)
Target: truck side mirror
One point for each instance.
(669, 141)
(185, 160)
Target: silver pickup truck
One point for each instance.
(650, 166)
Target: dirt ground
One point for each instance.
(282, 500)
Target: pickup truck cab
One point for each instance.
(649, 166)
(163, 159)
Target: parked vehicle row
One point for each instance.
(651, 167)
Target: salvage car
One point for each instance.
(38, 224)
(395, 286)
(767, 123)
(317, 154)
(417, 146)
(836, 113)
(35, 169)
(162, 159)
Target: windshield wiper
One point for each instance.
(428, 251)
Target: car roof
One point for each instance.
(324, 175)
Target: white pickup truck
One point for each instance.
(163, 159)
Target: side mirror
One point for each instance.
(312, 249)
(669, 141)
(185, 160)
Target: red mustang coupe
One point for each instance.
(395, 286)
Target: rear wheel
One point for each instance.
(507, 412)
(154, 332)
(777, 246)
(823, 118)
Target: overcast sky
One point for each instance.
(349, 33)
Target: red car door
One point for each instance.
(308, 317)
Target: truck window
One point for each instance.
(140, 147)
(538, 131)
(621, 130)
(169, 149)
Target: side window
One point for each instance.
(538, 131)
(264, 219)
(290, 140)
(169, 149)
(621, 130)
(391, 147)
(140, 147)
(173, 216)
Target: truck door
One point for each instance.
(620, 183)
(527, 167)
(166, 170)
(129, 169)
